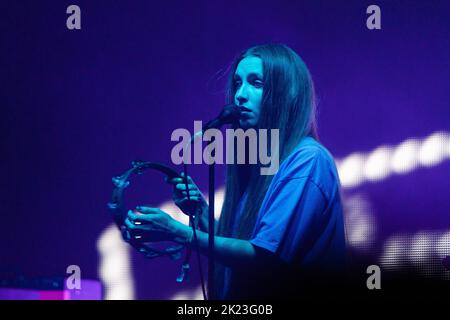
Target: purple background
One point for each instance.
(78, 106)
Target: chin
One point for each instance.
(243, 124)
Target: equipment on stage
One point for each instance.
(119, 212)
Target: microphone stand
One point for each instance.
(229, 114)
(211, 222)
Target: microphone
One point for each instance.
(229, 114)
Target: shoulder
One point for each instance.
(307, 157)
(310, 160)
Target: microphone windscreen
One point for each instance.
(229, 114)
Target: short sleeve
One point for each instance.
(301, 218)
(291, 219)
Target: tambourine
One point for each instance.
(119, 213)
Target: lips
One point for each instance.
(244, 109)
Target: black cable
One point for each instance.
(200, 270)
(211, 222)
(195, 240)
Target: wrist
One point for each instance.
(184, 234)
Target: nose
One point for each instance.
(241, 95)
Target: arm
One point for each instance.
(156, 225)
(230, 252)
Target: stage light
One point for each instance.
(404, 158)
(351, 170)
(384, 161)
(394, 255)
(434, 149)
(360, 223)
(377, 166)
(115, 265)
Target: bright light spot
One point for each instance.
(433, 150)
(172, 210)
(404, 158)
(384, 161)
(115, 268)
(360, 224)
(351, 170)
(447, 145)
(377, 165)
(422, 252)
(443, 245)
(193, 294)
(421, 247)
(394, 255)
(218, 202)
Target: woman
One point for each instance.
(281, 235)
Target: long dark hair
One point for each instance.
(288, 104)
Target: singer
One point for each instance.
(279, 236)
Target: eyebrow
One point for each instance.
(252, 74)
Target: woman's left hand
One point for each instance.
(152, 224)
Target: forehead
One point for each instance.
(250, 65)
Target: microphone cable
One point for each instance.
(195, 239)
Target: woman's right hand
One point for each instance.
(196, 204)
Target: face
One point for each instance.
(248, 80)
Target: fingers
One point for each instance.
(189, 177)
(131, 231)
(183, 200)
(179, 193)
(132, 217)
(192, 193)
(179, 180)
(145, 210)
(144, 215)
(132, 225)
(182, 186)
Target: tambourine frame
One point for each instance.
(119, 213)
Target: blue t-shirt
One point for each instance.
(300, 221)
